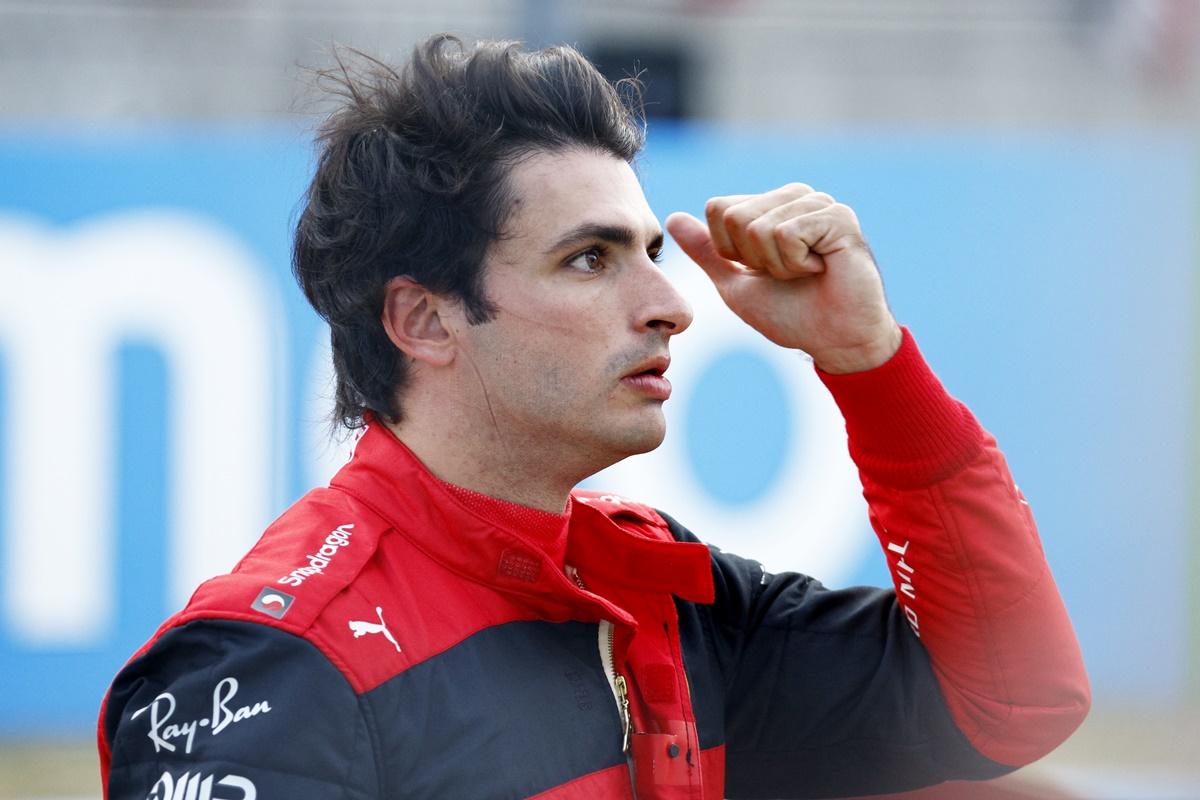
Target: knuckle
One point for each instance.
(795, 259)
(793, 265)
(844, 211)
(789, 239)
(761, 230)
(857, 242)
(737, 219)
(797, 188)
(794, 227)
(823, 197)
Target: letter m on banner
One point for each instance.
(70, 297)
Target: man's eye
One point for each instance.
(655, 255)
(590, 260)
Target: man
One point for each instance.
(451, 618)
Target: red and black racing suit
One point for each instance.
(391, 636)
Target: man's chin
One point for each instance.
(645, 437)
(628, 436)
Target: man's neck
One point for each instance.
(484, 462)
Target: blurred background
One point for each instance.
(1026, 172)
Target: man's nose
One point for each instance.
(662, 307)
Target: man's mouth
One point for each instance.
(647, 378)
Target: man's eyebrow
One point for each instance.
(615, 234)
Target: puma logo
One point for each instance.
(362, 628)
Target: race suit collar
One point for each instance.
(548, 531)
(495, 542)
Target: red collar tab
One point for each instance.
(496, 550)
(601, 542)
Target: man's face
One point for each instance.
(571, 365)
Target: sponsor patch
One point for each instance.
(361, 628)
(166, 732)
(272, 602)
(315, 563)
(198, 786)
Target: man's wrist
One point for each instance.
(904, 428)
(860, 358)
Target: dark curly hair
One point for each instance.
(412, 179)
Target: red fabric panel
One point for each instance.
(105, 751)
(904, 429)
(971, 578)
(613, 782)
(712, 767)
(965, 558)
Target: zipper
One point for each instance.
(616, 681)
(620, 690)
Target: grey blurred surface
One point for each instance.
(923, 63)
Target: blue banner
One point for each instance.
(163, 385)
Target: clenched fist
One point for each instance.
(794, 265)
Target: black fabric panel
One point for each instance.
(826, 693)
(268, 716)
(706, 679)
(707, 654)
(512, 711)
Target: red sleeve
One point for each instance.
(965, 558)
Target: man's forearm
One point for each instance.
(965, 559)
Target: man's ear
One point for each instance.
(414, 320)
